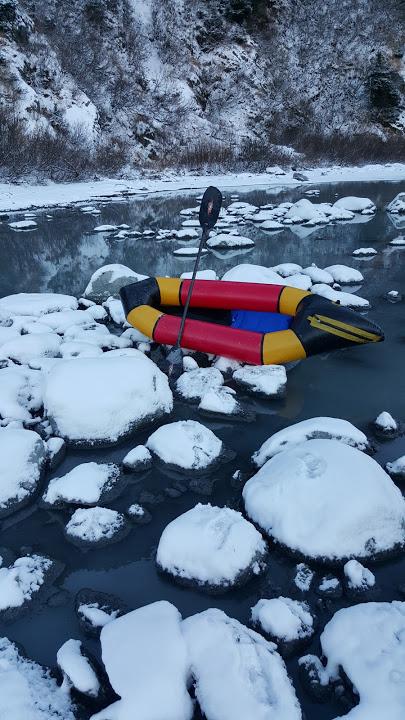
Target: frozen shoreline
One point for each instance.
(16, 197)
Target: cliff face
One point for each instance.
(161, 75)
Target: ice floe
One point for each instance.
(268, 381)
(237, 673)
(96, 527)
(186, 445)
(22, 461)
(28, 691)
(211, 547)
(87, 484)
(101, 400)
(357, 509)
(318, 427)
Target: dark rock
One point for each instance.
(102, 604)
(330, 587)
(311, 673)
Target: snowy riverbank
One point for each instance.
(15, 197)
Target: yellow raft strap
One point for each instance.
(144, 319)
(363, 334)
(169, 290)
(280, 347)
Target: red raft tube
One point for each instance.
(317, 325)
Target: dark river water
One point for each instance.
(355, 384)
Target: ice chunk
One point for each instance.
(102, 400)
(318, 427)
(145, 656)
(344, 493)
(212, 547)
(238, 674)
(186, 444)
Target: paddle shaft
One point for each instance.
(204, 237)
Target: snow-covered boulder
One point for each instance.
(188, 251)
(96, 527)
(354, 505)
(269, 381)
(145, 656)
(393, 296)
(35, 304)
(289, 623)
(77, 670)
(237, 673)
(23, 225)
(386, 426)
(340, 298)
(358, 577)
(253, 273)
(138, 514)
(364, 252)
(105, 228)
(20, 393)
(317, 275)
(397, 468)
(201, 275)
(318, 427)
(28, 691)
(55, 452)
(368, 642)
(23, 582)
(108, 280)
(187, 234)
(138, 459)
(345, 275)
(211, 547)
(87, 484)
(186, 445)
(397, 205)
(303, 577)
(356, 204)
(192, 385)
(27, 347)
(222, 403)
(229, 240)
(22, 461)
(398, 241)
(94, 609)
(330, 587)
(287, 269)
(102, 400)
(241, 208)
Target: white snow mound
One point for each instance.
(186, 444)
(284, 619)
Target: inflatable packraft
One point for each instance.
(314, 324)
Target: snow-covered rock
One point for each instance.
(105, 228)
(145, 656)
(317, 275)
(253, 273)
(22, 582)
(28, 691)
(138, 459)
(345, 275)
(303, 577)
(192, 385)
(340, 298)
(385, 425)
(241, 208)
(115, 311)
(354, 505)
(189, 251)
(287, 269)
(397, 205)
(108, 280)
(318, 427)
(237, 673)
(187, 234)
(393, 296)
(368, 642)
(364, 252)
(358, 577)
(398, 241)
(22, 461)
(8, 333)
(138, 514)
(355, 204)
(35, 304)
(186, 445)
(95, 609)
(104, 399)
(270, 225)
(87, 484)
(222, 402)
(228, 240)
(96, 527)
(268, 381)
(211, 547)
(201, 275)
(77, 671)
(26, 347)
(20, 393)
(397, 468)
(287, 622)
(55, 452)
(330, 587)
(23, 225)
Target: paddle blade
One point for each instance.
(210, 207)
(175, 361)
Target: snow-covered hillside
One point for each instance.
(147, 80)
